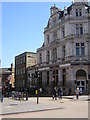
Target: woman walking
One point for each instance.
(77, 93)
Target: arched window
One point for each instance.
(81, 74)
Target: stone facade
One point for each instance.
(31, 76)
(22, 62)
(64, 58)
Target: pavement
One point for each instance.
(11, 106)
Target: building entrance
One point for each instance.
(81, 79)
(81, 84)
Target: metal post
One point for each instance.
(37, 84)
(37, 97)
(37, 87)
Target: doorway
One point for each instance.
(81, 79)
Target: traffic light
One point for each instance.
(37, 74)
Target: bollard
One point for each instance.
(37, 95)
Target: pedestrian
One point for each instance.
(80, 91)
(26, 95)
(60, 92)
(19, 95)
(54, 94)
(40, 90)
(2, 98)
(77, 93)
(2, 92)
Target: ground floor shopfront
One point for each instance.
(67, 76)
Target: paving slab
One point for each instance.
(14, 106)
(11, 106)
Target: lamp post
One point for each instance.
(37, 77)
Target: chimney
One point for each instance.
(12, 68)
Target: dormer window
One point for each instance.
(78, 12)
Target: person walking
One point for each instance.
(77, 93)
(2, 95)
(60, 92)
(54, 93)
(80, 91)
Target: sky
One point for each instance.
(23, 25)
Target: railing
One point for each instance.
(75, 36)
(72, 59)
(71, 36)
(78, 59)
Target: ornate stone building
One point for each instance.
(64, 58)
